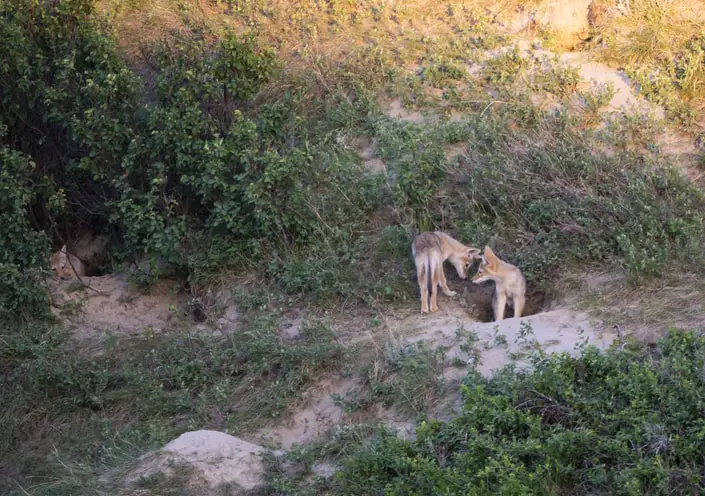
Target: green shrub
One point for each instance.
(195, 176)
(68, 101)
(66, 114)
(505, 68)
(624, 421)
(556, 77)
(544, 198)
(442, 72)
(24, 248)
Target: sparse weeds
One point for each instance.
(660, 44)
(73, 307)
(174, 484)
(690, 67)
(406, 376)
(632, 131)
(498, 340)
(470, 346)
(505, 68)
(594, 99)
(556, 77)
(548, 35)
(658, 87)
(167, 384)
(409, 377)
(443, 73)
(292, 474)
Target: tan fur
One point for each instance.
(509, 283)
(66, 265)
(430, 250)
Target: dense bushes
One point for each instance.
(68, 100)
(192, 173)
(65, 106)
(628, 421)
(23, 247)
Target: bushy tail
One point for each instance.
(427, 273)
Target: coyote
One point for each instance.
(509, 283)
(67, 265)
(430, 250)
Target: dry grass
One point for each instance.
(655, 34)
(323, 49)
(306, 32)
(296, 28)
(676, 300)
(652, 30)
(636, 32)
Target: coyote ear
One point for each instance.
(490, 256)
(473, 253)
(63, 249)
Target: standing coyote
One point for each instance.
(430, 250)
(67, 265)
(509, 283)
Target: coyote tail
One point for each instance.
(428, 275)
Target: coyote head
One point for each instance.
(463, 261)
(489, 267)
(60, 263)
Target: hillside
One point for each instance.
(243, 180)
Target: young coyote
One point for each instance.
(509, 283)
(67, 265)
(430, 250)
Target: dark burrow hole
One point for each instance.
(93, 271)
(480, 300)
(197, 314)
(479, 296)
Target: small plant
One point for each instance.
(526, 331)
(701, 161)
(73, 307)
(470, 346)
(556, 77)
(458, 362)
(597, 98)
(441, 74)
(505, 68)
(353, 401)
(498, 340)
(409, 377)
(291, 474)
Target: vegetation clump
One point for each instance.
(625, 421)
